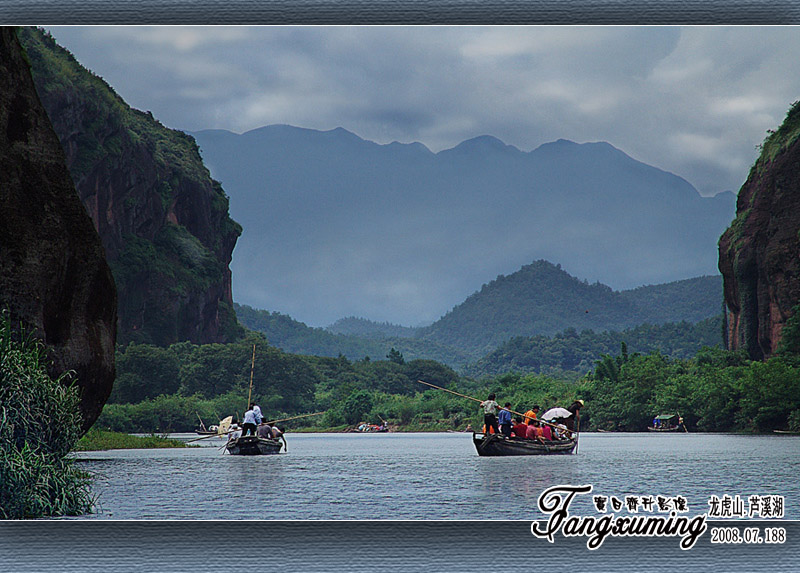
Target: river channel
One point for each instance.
(433, 476)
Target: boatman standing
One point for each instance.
(575, 409)
(249, 426)
(490, 415)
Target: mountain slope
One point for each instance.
(543, 299)
(293, 336)
(340, 226)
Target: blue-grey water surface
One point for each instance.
(403, 502)
(433, 476)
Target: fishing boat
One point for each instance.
(253, 446)
(667, 423)
(499, 445)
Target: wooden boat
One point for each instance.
(668, 423)
(499, 445)
(253, 446)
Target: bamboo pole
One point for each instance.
(252, 368)
(481, 401)
(294, 417)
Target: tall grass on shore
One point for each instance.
(96, 439)
(39, 425)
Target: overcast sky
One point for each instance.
(695, 101)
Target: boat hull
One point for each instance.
(496, 445)
(253, 446)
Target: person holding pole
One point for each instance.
(490, 415)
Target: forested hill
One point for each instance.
(572, 351)
(368, 329)
(540, 300)
(543, 299)
(297, 337)
(163, 221)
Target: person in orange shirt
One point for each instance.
(531, 414)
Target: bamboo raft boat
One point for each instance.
(499, 445)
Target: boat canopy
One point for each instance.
(666, 416)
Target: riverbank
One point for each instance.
(97, 440)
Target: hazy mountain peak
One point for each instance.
(482, 143)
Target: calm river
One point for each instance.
(433, 476)
(409, 503)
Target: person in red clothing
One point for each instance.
(519, 429)
(535, 431)
(547, 432)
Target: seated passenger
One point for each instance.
(535, 431)
(547, 432)
(519, 429)
(264, 431)
(235, 432)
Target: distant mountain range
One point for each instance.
(336, 226)
(539, 300)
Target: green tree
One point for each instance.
(357, 406)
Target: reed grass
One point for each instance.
(96, 439)
(40, 422)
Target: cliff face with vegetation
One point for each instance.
(759, 254)
(163, 221)
(54, 280)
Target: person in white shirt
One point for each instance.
(249, 426)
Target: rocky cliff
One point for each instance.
(163, 221)
(54, 279)
(759, 254)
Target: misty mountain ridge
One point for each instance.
(335, 225)
(543, 299)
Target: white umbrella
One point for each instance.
(556, 413)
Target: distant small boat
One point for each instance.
(668, 423)
(785, 432)
(253, 446)
(499, 445)
(214, 430)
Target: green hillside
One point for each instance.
(571, 351)
(293, 336)
(543, 299)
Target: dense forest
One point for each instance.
(571, 353)
(168, 389)
(294, 336)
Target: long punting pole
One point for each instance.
(480, 401)
(295, 417)
(252, 367)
